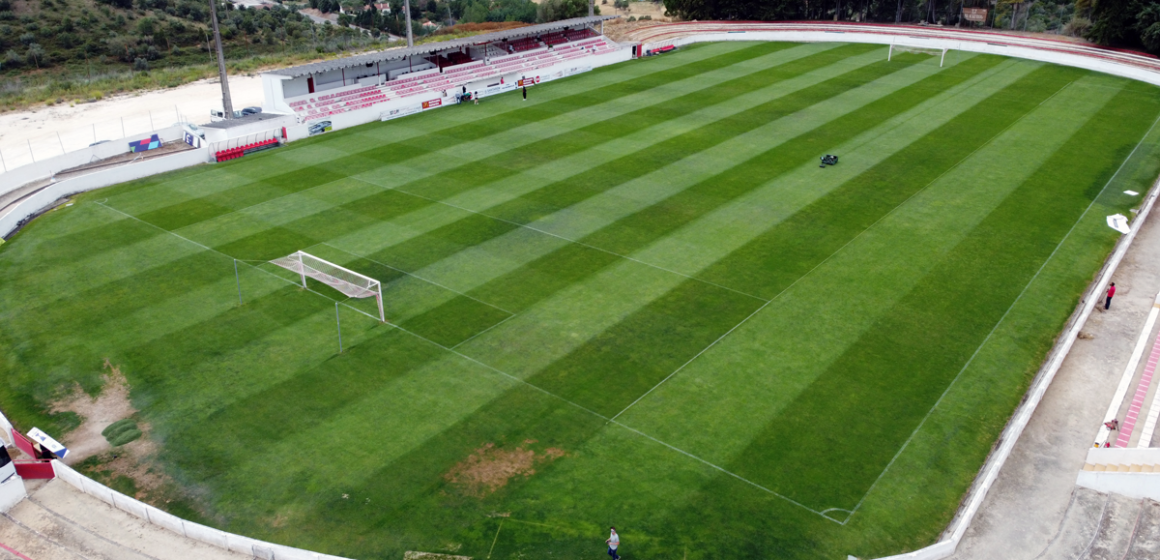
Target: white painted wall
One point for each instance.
(11, 493)
(196, 531)
(1133, 485)
(1126, 65)
(25, 174)
(1124, 456)
(104, 178)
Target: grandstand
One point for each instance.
(359, 89)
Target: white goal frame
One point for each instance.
(942, 52)
(347, 281)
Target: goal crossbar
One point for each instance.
(940, 52)
(349, 282)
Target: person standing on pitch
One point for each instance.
(525, 93)
(1111, 292)
(613, 542)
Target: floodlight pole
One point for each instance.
(338, 320)
(227, 103)
(407, 11)
(238, 278)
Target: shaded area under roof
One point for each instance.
(427, 49)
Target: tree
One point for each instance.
(1111, 23)
(36, 55)
(741, 9)
(552, 10)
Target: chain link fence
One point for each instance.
(20, 153)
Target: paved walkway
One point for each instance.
(1040, 475)
(57, 521)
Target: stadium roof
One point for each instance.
(398, 54)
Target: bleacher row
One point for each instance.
(453, 77)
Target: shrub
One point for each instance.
(140, 64)
(12, 58)
(27, 38)
(631, 18)
(1077, 27)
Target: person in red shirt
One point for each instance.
(1111, 292)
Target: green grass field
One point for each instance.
(635, 293)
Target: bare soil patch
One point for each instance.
(414, 555)
(490, 468)
(132, 460)
(111, 405)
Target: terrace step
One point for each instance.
(1100, 526)
(57, 521)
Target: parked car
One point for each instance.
(220, 115)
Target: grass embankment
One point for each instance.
(633, 299)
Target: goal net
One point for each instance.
(941, 53)
(349, 282)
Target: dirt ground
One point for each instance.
(97, 413)
(192, 102)
(490, 468)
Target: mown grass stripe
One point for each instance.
(778, 353)
(517, 144)
(564, 307)
(428, 248)
(509, 125)
(890, 374)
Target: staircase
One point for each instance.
(58, 522)
(1100, 526)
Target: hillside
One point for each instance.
(75, 50)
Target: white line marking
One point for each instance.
(413, 275)
(1001, 319)
(573, 241)
(504, 374)
(831, 255)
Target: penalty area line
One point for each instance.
(611, 421)
(243, 261)
(839, 250)
(1003, 318)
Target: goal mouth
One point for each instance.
(937, 52)
(346, 281)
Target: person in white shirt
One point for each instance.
(613, 542)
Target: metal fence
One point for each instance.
(20, 153)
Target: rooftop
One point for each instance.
(248, 119)
(431, 48)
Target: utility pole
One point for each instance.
(591, 8)
(407, 11)
(227, 103)
(898, 14)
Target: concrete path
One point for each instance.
(57, 521)
(1035, 501)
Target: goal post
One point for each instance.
(940, 52)
(349, 282)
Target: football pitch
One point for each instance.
(634, 299)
